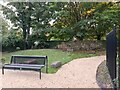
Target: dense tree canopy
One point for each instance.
(63, 20)
(3, 26)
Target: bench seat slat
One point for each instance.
(32, 65)
(23, 66)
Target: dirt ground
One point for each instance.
(79, 73)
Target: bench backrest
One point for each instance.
(22, 59)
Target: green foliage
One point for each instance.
(38, 39)
(11, 41)
(3, 60)
(62, 20)
(3, 26)
(8, 43)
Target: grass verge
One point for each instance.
(53, 55)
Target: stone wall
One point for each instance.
(81, 45)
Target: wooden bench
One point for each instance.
(23, 62)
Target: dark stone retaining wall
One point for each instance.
(82, 45)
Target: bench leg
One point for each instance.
(46, 69)
(20, 69)
(2, 70)
(40, 73)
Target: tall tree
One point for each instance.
(3, 26)
(19, 14)
(29, 16)
(75, 16)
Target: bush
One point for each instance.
(8, 43)
(38, 41)
(20, 43)
(11, 42)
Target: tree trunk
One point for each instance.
(24, 37)
(29, 18)
(99, 37)
(24, 27)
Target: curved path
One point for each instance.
(79, 73)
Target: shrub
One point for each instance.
(8, 43)
(11, 41)
(38, 41)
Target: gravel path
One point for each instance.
(79, 73)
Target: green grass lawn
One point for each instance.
(53, 55)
